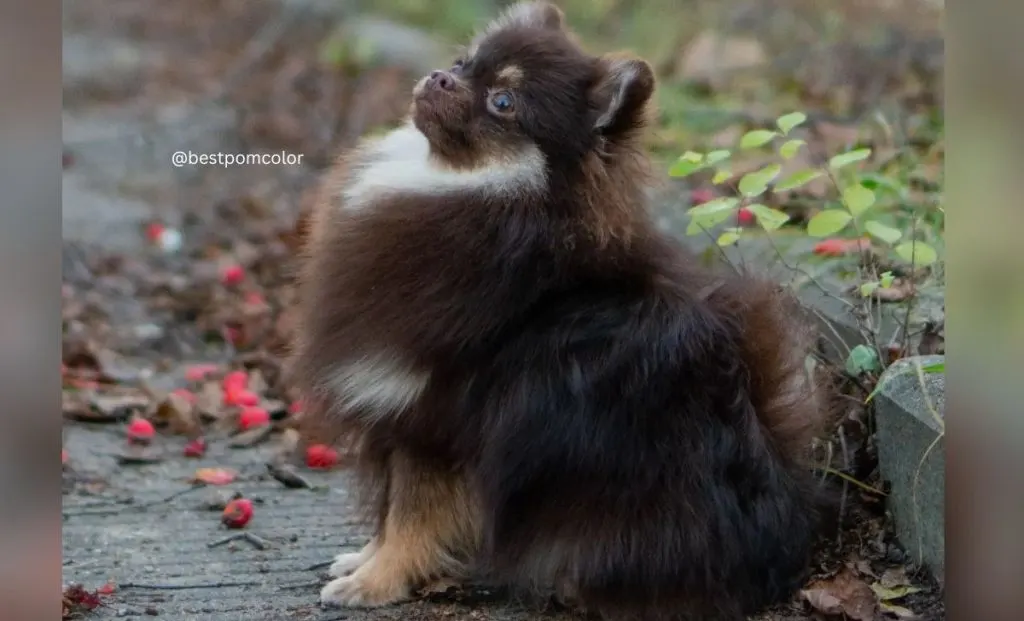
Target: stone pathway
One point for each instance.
(147, 530)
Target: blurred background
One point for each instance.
(145, 79)
(166, 267)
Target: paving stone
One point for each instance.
(141, 526)
(912, 459)
(92, 217)
(96, 63)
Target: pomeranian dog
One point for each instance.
(544, 390)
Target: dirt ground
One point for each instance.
(170, 272)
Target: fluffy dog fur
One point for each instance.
(545, 390)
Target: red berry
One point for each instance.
(232, 275)
(237, 513)
(839, 247)
(106, 589)
(63, 456)
(140, 430)
(154, 231)
(701, 195)
(244, 398)
(198, 372)
(745, 216)
(253, 417)
(237, 380)
(321, 456)
(195, 448)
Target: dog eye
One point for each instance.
(501, 102)
(458, 65)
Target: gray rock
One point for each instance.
(102, 63)
(911, 455)
(93, 217)
(382, 41)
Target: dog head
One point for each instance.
(525, 86)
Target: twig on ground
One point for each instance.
(299, 585)
(317, 566)
(842, 500)
(287, 476)
(259, 542)
(185, 587)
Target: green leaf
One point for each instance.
(868, 288)
(713, 212)
(886, 280)
(935, 367)
(828, 222)
(687, 164)
(756, 138)
(790, 148)
(715, 157)
(899, 591)
(787, 122)
(916, 252)
(851, 157)
(693, 228)
(876, 182)
(797, 179)
(862, 359)
(721, 177)
(858, 199)
(757, 182)
(715, 205)
(767, 217)
(885, 233)
(728, 238)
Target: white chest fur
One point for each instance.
(401, 163)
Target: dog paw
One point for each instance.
(362, 591)
(345, 563)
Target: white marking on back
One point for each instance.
(381, 383)
(401, 163)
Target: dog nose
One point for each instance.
(441, 79)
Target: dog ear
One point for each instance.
(531, 13)
(621, 94)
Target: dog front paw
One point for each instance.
(347, 562)
(363, 590)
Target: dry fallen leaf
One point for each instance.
(891, 593)
(898, 611)
(210, 401)
(178, 413)
(438, 587)
(901, 289)
(214, 476)
(844, 594)
(118, 407)
(822, 601)
(251, 437)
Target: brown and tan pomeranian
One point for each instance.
(544, 390)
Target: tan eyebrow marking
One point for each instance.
(512, 75)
